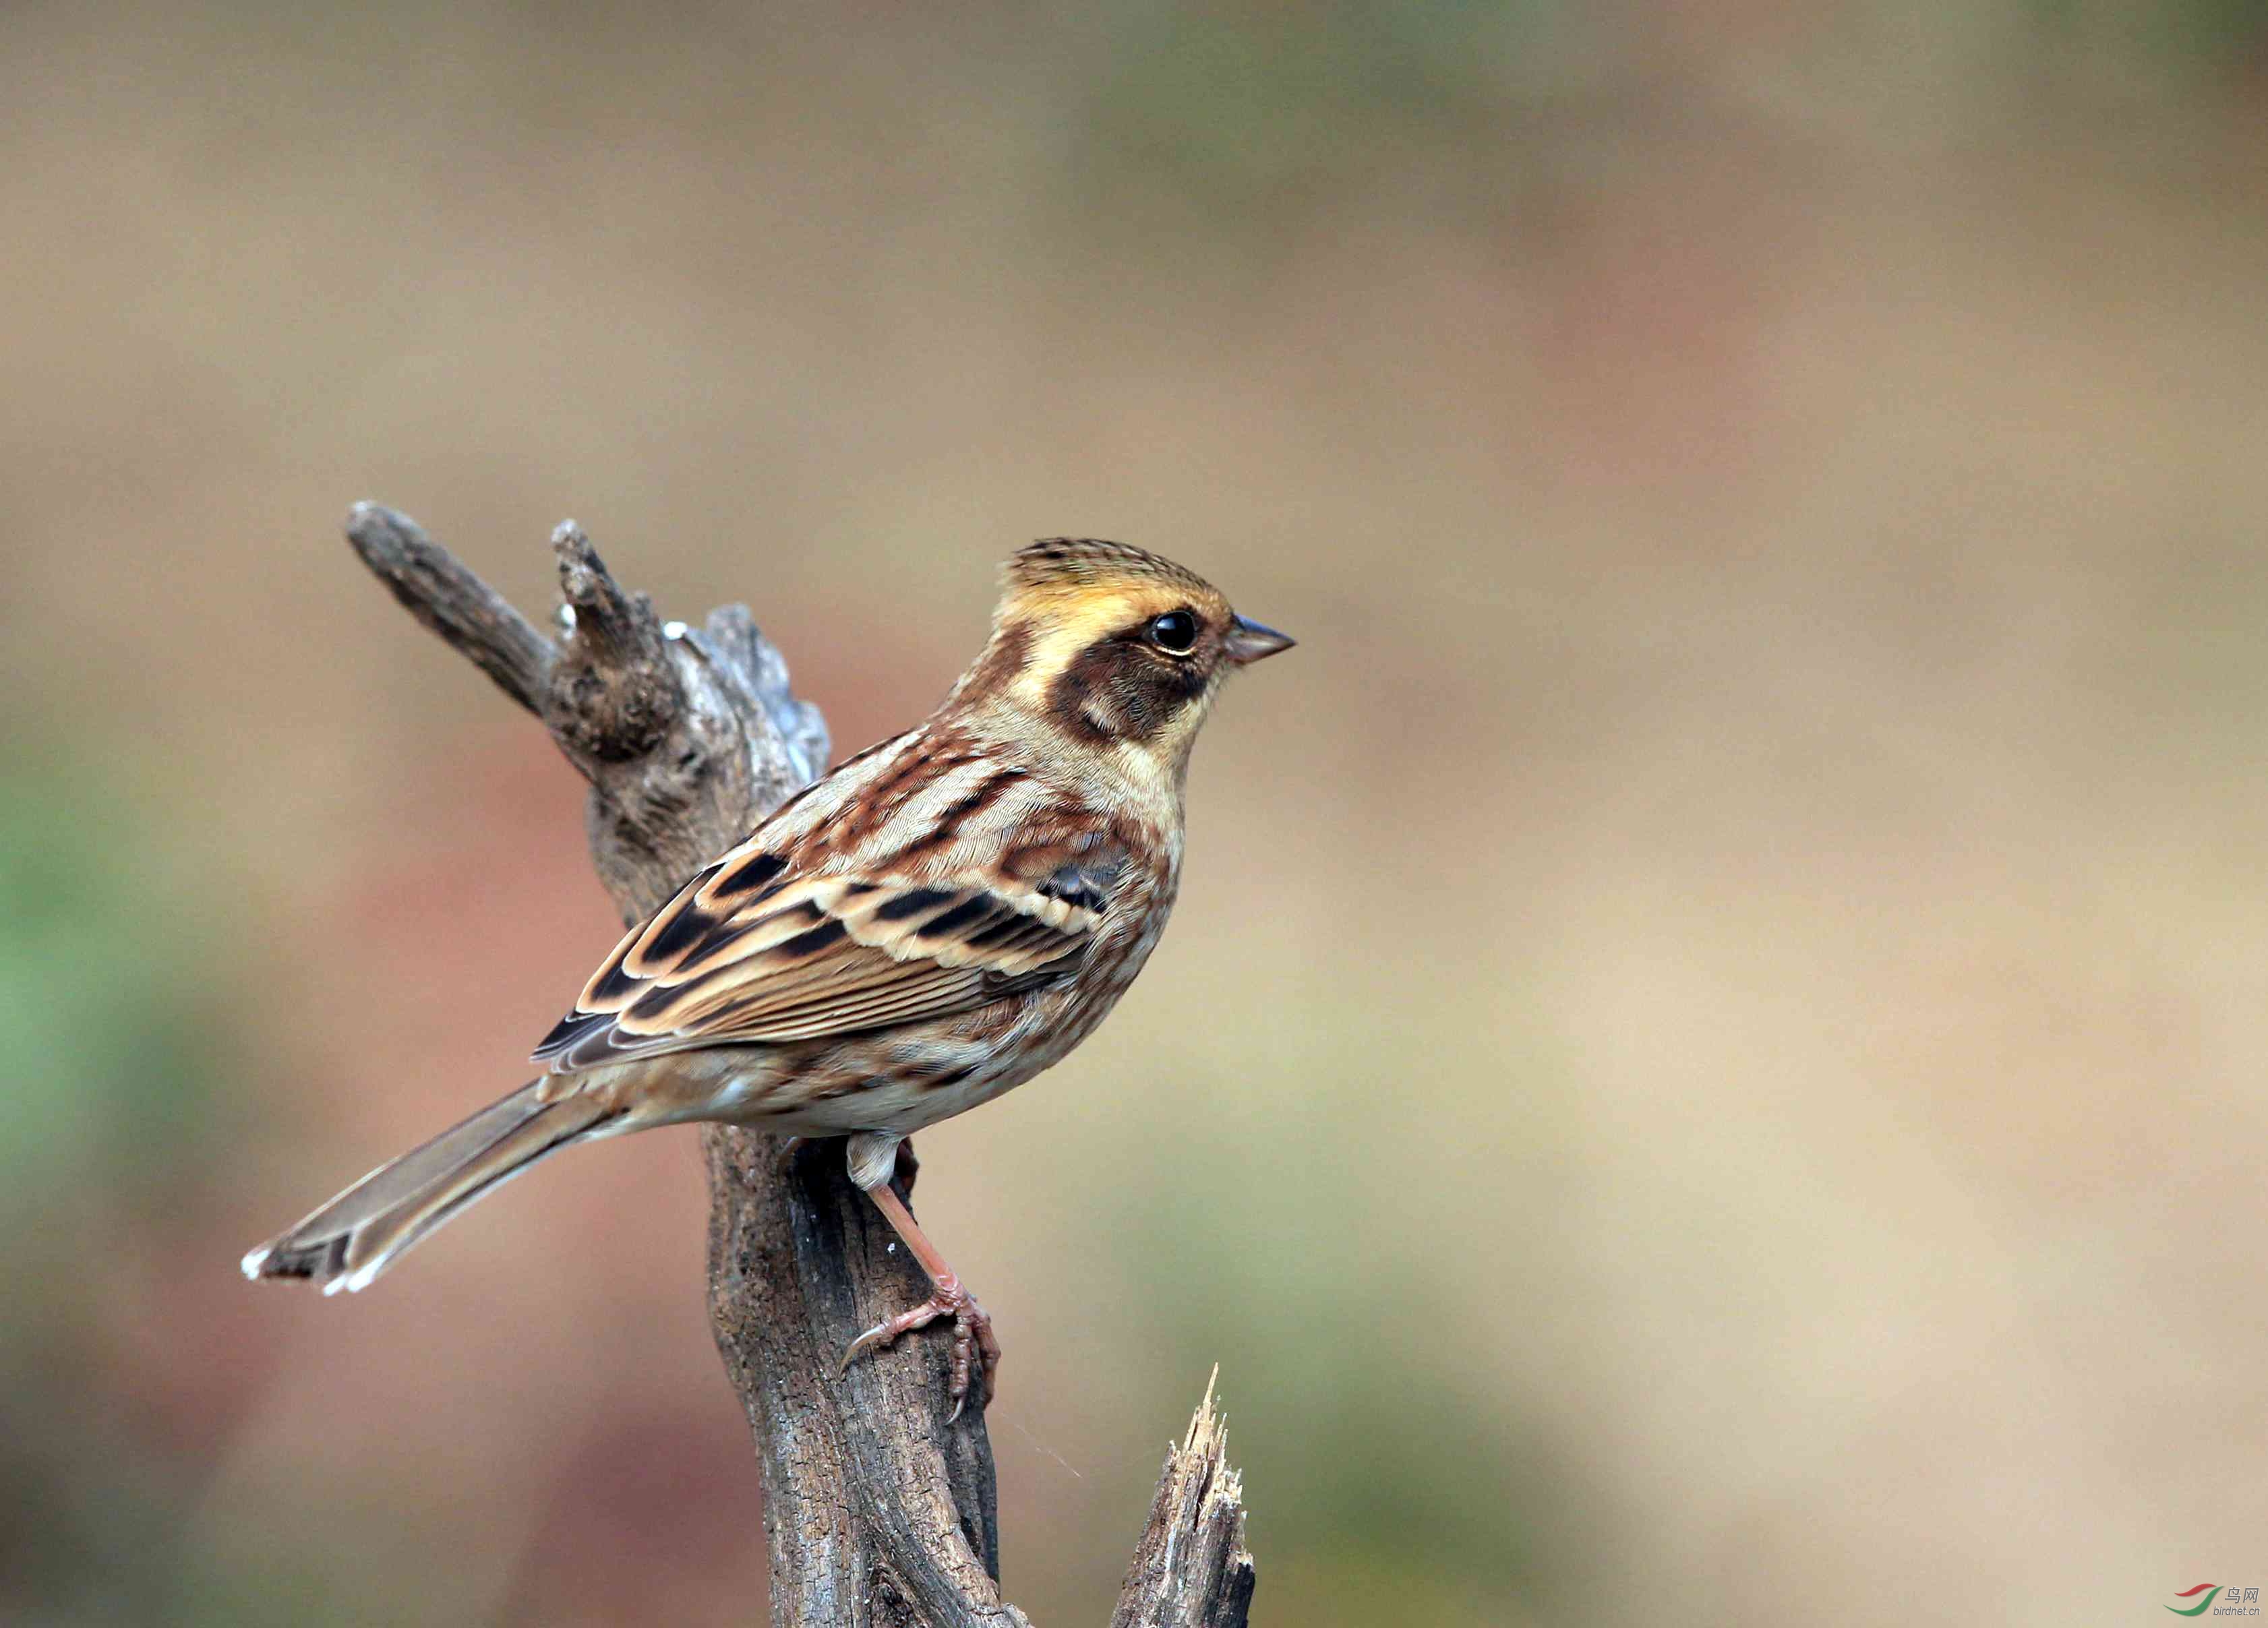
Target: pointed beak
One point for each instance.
(1249, 641)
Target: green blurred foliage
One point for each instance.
(2222, 38)
(119, 1108)
(1271, 107)
(105, 991)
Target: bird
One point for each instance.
(936, 920)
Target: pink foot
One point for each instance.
(972, 1340)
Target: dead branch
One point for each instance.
(1191, 1569)
(879, 1512)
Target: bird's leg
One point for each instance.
(974, 1347)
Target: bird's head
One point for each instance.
(1117, 649)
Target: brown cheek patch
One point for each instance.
(1076, 699)
(1116, 689)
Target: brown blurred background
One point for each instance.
(1709, 1067)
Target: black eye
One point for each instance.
(1175, 633)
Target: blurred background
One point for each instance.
(1709, 1065)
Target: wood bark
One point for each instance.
(879, 1510)
(1191, 1569)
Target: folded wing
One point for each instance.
(752, 952)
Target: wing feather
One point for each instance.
(754, 951)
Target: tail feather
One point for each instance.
(348, 1241)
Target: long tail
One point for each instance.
(347, 1242)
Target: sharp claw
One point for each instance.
(972, 1338)
(786, 1152)
(886, 1333)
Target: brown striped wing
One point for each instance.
(752, 952)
